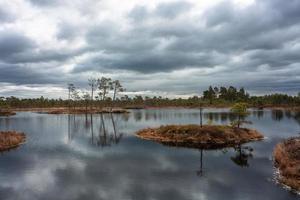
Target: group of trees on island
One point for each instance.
(104, 92)
(101, 87)
(230, 94)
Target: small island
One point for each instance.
(287, 160)
(202, 137)
(10, 140)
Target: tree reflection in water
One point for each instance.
(242, 155)
(102, 134)
(278, 115)
(200, 171)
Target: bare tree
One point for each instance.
(75, 95)
(93, 83)
(104, 85)
(117, 87)
(86, 97)
(71, 89)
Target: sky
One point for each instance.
(169, 48)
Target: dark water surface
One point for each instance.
(76, 157)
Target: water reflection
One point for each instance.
(63, 159)
(200, 171)
(279, 114)
(241, 158)
(258, 113)
(104, 133)
(242, 155)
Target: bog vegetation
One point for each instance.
(10, 139)
(201, 137)
(104, 92)
(287, 160)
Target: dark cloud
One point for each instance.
(230, 30)
(259, 39)
(67, 31)
(38, 56)
(152, 62)
(171, 10)
(45, 2)
(22, 74)
(14, 42)
(139, 13)
(164, 10)
(16, 48)
(5, 15)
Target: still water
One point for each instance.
(98, 157)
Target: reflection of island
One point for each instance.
(243, 153)
(102, 133)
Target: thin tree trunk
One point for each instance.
(114, 97)
(201, 117)
(92, 97)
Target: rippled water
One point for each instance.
(98, 157)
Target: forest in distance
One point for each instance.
(105, 92)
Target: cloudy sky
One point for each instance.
(157, 47)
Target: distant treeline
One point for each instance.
(213, 96)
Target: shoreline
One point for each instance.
(7, 113)
(47, 109)
(287, 162)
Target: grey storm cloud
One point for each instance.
(45, 2)
(5, 15)
(151, 62)
(165, 10)
(228, 30)
(67, 31)
(171, 10)
(22, 74)
(38, 56)
(14, 42)
(18, 48)
(260, 39)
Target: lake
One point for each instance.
(98, 157)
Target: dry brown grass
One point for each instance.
(6, 113)
(206, 137)
(287, 160)
(83, 111)
(10, 139)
